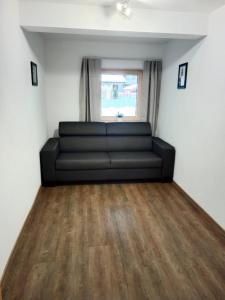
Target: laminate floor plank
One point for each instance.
(125, 241)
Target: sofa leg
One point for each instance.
(48, 184)
(167, 180)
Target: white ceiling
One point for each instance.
(173, 5)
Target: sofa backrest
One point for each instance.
(129, 136)
(82, 129)
(128, 129)
(82, 136)
(99, 136)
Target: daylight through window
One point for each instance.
(120, 94)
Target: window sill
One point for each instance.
(124, 119)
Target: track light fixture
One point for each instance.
(123, 7)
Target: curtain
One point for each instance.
(90, 90)
(151, 92)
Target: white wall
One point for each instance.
(64, 58)
(193, 120)
(23, 127)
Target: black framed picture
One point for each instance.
(182, 76)
(34, 73)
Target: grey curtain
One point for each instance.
(90, 90)
(151, 92)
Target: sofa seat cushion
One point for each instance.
(132, 160)
(83, 161)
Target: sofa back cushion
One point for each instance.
(129, 143)
(129, 136)
(82, 129)
(83, 143)
(128, 129)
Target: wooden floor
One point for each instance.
(116, 241)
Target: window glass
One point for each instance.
(119, 94)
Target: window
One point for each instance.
(120, 94)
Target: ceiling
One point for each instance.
(204, 6)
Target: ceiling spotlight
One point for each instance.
(123, 8)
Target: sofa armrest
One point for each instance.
(167, 153)
(48, 157)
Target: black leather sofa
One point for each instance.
(97, 151)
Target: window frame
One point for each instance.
(139, 73)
